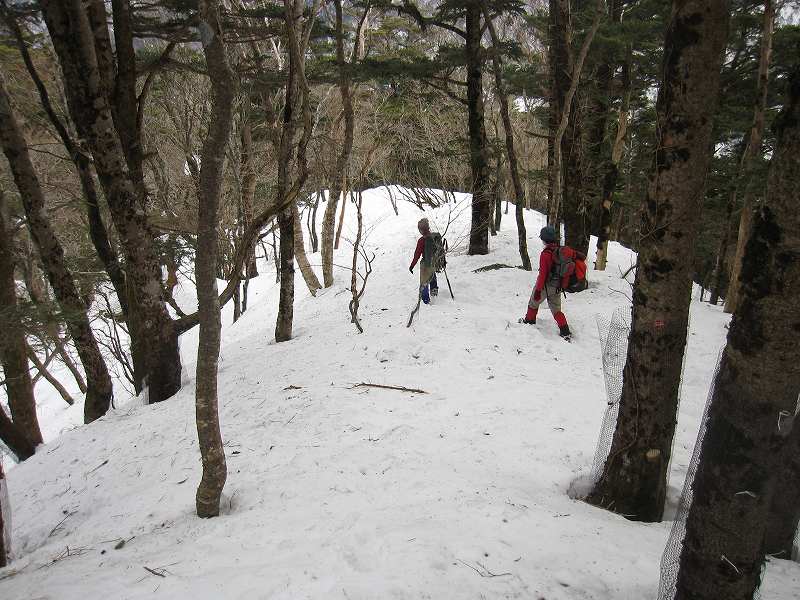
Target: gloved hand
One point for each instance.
(537, 296)
(410, 269)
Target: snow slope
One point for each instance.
(337, 491)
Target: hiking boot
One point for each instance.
(527, 321)
(564, 331)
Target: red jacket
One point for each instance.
(418, 251)
(546, 262)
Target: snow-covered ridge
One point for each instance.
(336, 491)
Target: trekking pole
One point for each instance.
(449, 287)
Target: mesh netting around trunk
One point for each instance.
(670, 560)
(614, 335)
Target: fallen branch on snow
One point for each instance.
(493, 267)
(389, 387)
(160, 572)
(485, 572)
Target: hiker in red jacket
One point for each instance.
(427, 271)
(548, 284)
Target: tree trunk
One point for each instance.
(634, 479)
(97, 229)
(752, 151)
(98, 382)
(19, 387)
(343, 160)
(209, 490)
(341, 218)
(753, 413)
(478, 145)
(5, 519)
(784, 512)
(249, 181)
(612, 168)
(154, 338)
(567, 184)
(312, 225)
(722, 251)
(513, 165)
(283, 325)
(300, 253)
(355, 297)
(41, 367)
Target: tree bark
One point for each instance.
(513, 165)
(13, 437)
(209, 490)
(573, 212)
(300, 253)
(752, 151)
(296, 102)
(753, 413)
(249, 181)
(343, 160)
(345, 193)
(784, 512)
(478, 144)
(283, 325)
(312, 224)
(612, 169)
(19, 387)
(98, 382)
(5, 519)
(634, 480)
(97, 228)
(86, 74)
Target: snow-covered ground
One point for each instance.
(336, 491)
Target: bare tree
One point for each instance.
(755, 408)
(98, 381)
(634, 479)
(209, 490)
(104, 111)
(292, 166)
(502, 98)
(343, 160)
(19, 387)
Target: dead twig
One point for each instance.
(60, 523)
(389, 387)
(102, 464)
(158, 571)
(485, 572)
(66, 553)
